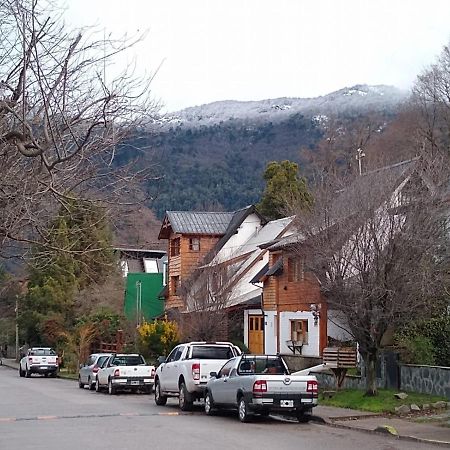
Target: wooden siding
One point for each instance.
(185, 263)
(281, 295)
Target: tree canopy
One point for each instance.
(284, 190)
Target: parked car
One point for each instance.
(255, 384)
(87, 374)
(121, 372)
(42, 360)
(185, 372)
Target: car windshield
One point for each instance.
(211, 352)
(127, 360)
(262, 365)
(42, 352)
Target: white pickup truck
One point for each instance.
(185, 372)
(42, 360)
(125, 372)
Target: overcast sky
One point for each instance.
(257, 49)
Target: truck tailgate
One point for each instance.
(135, 371)
(209, 365)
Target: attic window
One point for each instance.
(175, 247)
(194, 244)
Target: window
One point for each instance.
(225, 370)
(299, 331)
(262, 365)
(296, 269)
(127, 360)
(175, 247)
(174, 285)
(194, 244)
(211, 352)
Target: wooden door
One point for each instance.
(256, 334)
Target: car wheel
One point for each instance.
(97, 386)
(244, 415)
(27, 373)
(80, 384)
(160, 399)
(53, 374)
(91, 384)
(303, 417)
(45, 375)
(209, 404)
(111, 388)
(21, 372)
(184, 400)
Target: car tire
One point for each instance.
(160, 399)
(243, 412)
(27, 373)
(111, 388)
(209, 404)
(303, 416)
(53, 374)
(184, 399)
(91, 384)
(80, 384)
(21, 372)
(97, 386)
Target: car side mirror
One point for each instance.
(213, 374)
(161, 359)
(81, 366)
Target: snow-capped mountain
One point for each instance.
(361, 98)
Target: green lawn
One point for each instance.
(383, 402)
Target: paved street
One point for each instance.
(46, 413)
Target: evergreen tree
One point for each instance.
(284, 191)
(75, 253)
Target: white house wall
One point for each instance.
(337, 325)
(270, 332)
(250, 226)
(310, 349)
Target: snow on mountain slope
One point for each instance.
(356, 98)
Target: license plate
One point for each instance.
(135, 383)
(287, 403)
(44, 367)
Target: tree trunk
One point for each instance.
(370, 360)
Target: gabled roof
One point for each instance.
(195, 222)
(223, 224)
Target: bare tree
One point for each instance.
(379, 247)
(207, 296)
(61, 119)
(431, 95)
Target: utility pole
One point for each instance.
(360, 155)
(17, 328)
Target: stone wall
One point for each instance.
(432, 380)
(327, 380)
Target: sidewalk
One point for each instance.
(360, 420)
(402, 427)
(10, 363)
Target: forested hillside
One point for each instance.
(209, 163)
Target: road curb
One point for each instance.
(399, 436)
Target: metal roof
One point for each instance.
(197, 222)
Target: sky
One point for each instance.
(209, 50)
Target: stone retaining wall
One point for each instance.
(432, 380)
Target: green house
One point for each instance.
(144, 271)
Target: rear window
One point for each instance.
(101, 360)
(262, 365)
(127, 360)
(211, 352)
(43, 352)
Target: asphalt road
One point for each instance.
(46, 413)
